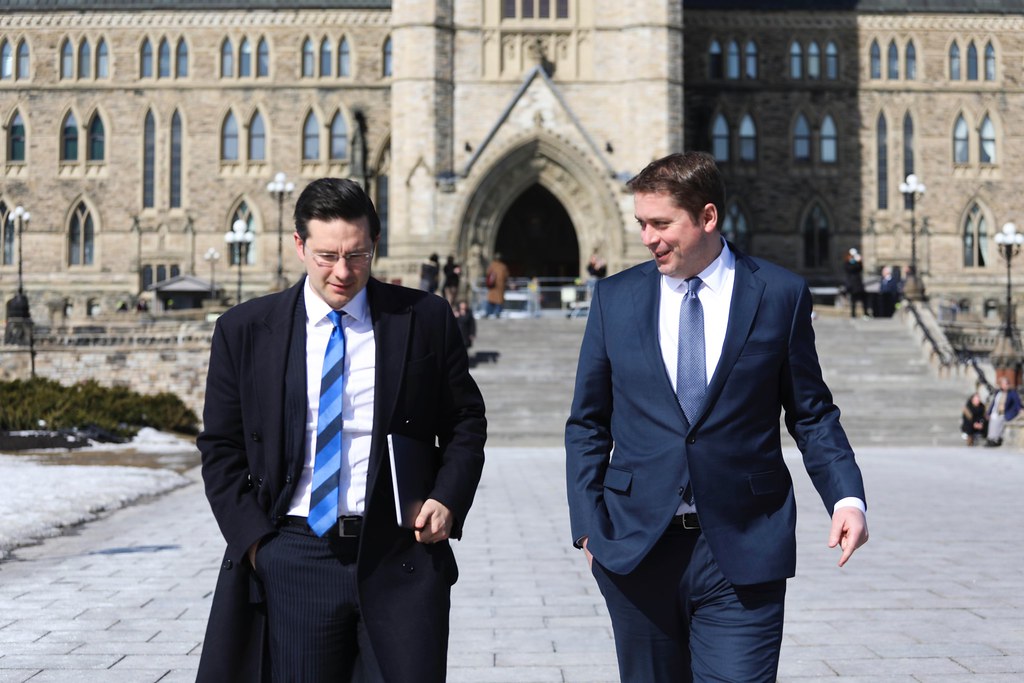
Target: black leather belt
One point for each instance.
(688, 520)
(349, 526)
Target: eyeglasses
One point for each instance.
(329, 259)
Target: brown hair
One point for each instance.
(691, 178)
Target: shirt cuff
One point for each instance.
(850, 502)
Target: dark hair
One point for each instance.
(327, 199)
(691, 178)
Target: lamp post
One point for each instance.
(239, 238)
(1004, 357)
(19, 318)
(912, 188)
(21, 217)
(279, 188)
(212, 256)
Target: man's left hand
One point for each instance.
(434, 523)
(849, 531)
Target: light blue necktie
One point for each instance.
(323, 502)
(691, 367)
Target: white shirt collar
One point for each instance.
(317, 309)
(713, 276)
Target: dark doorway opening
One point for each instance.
(537, 238)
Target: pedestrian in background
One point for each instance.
(452, 279)
(974, 422)
(1004, 406)
(429, 273)
(496, 281)
(854, 269)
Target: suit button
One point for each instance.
(228, 564)
(259, 482)
(681, 491)
(692, 440)
(288, 479)
(255, 436)
(408, 567)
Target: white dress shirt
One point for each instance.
(357, 399)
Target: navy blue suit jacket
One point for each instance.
(630, 450)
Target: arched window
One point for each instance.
(102, 60)
(813, 61)
(257, 138)
(910, 59)
(987, 146)
(716, 63)
(750, 60)
(339, 138)
(893, 61)
(748, 139)
(882, 155)
(244, 59)
(84, 59)
(816, 238)
(325, 57)
(164, 59)
(146, 59)
(387, 57)
(732, 61)
(16, 139)
(831, 61)
(308, 59)
(720, 139)
(735, 228)
(311, 138)
(242, 213)
(176, 160)
(149, 162)
(829, 142)
(796, 60)
(876, 60)
(344, 58)
(69, 139)
(22, 69)
(181, 59)
(954, 62)
(81, 237)
(801, 139)
(227, 59)
(7, 228)
(229, 139)
(6, 61)
(96, 147)
(908, 155)
(262, 59)
(67, 60)
(960, 141)
(972, 62)
(990, 62)
(975, 238)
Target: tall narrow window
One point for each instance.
(893, 61)
(987, 147)
(527, 6)
(831, 61)
(908, 155)
(954, 62)
(181, 59)
(67, 60)
(990, 62)
(750, 60)
(732, 61)
(6, 61)
(387, 57)
(22, 71)
(262, 58)
(325, 57)
(227, 59)
(882, 156)
(308, 59)
(813, 60)
(829, 141)
(84, 59)
(816, 238)
(562, 9)
(7, 228)
(257, 138)
(876, 60)
(81, 237)
(245, 59)
(229, 139)
(311, 138)
(339, 138)
(344, 59)
(720, 139)
(242, 213)
(748, 139)
(96, 147)
(975, 238)
(149, 162)
(716, 62)
(16, 139)
(972, 62)
(164, 59)
(801, 139)
(796, 60)
(176, 161)
(508, 9)
(910, 61)
(102, 60)
(146, 59)
(960, 141)
(735, 227)
(69, 139)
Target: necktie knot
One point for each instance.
(335, 317)
(693, 285)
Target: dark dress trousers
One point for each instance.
(252, 449)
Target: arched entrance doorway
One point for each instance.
(536, 237)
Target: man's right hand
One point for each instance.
(590, 558)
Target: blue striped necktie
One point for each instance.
(691, 369)
(323, 502)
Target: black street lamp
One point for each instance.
(21, 217)
(212, 256)
(279, 188)
(239, 238)
(19, 328)
(1009, 241)
(912, 188)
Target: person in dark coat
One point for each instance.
(974, 422)
(452, 279)
(854, 269)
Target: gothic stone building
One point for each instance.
(137, 134)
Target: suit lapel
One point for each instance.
(646, 299)
(270, 339)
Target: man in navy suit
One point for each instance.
(357, 595)
(678, 492)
